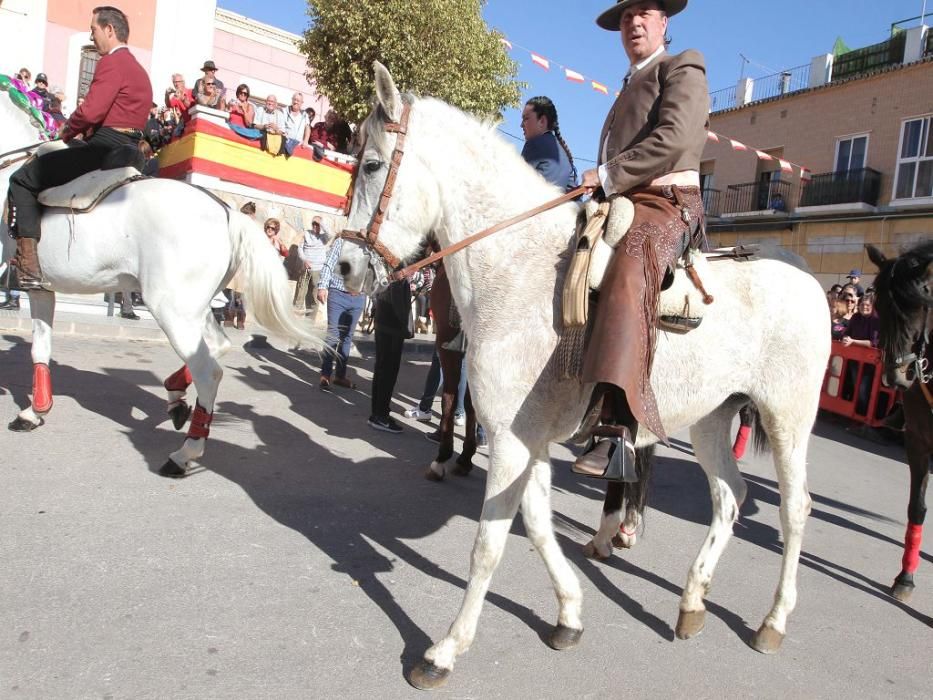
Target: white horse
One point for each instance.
(766, 338)
(179, 246)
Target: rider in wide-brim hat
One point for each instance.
(649, 152)
(609, 19)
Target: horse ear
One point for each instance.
(875, 255)
(387, 94)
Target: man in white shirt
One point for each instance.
(297, 129)
(270, 118)
(312, 252)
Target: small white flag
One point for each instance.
(541, 61)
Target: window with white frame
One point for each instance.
(915, 160)
(89, 59)
(851, 153)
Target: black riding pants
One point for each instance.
(385, 373)
(108, 148)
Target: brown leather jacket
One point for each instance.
(658, 125)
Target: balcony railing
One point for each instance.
(845, 187)
(758, 196)
(789, 80)
(870, 57)
(712, 203)
(722, 99)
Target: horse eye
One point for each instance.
(372, 166)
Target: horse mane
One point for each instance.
(898, 297)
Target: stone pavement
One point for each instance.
(308, 557)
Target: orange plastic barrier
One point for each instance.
(852, 386)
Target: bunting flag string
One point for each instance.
(602, 88)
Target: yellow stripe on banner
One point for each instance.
(299, 171)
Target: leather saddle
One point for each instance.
(601, 228)
(84, 193)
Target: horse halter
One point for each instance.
(370, 237)
(917, 358)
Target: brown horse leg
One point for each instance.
(918, 457)
(465, 460)
(450, 367)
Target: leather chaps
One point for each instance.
(621, 348)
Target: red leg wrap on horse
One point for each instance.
(912, 539)
(41, 388)
(200, 423)
(179, 381)
(741, 440)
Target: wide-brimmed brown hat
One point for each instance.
(610, 18)
(208, 65)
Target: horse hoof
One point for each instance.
(462, 469)
(690, 623)
(21, 425)
(432, 475)
(591, 552)
(620, 542)
(172, 470)
(427, 676)
(902, 591)
(767, 640)
(179, 415)
(563, 637)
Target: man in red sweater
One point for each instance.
(103, 132)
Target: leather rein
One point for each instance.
(923, 372)
(28, 153)
(370, 237)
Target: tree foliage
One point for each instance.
(441, 48)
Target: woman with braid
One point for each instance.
(545, 149)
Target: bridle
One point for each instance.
(918, 358)
(370, 237)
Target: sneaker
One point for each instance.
(460, 419)
(10, 305)
(434, 437)
(418, 414)
(131, 315)
(387, 425)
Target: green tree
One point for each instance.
(441, 48)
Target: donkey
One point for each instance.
(129, 241)
(427, 168)
(904, 299)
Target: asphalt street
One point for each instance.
(309, 558)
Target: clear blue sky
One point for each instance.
(772, 35)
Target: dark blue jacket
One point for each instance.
(545, 154)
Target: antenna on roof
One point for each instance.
(923, 13)
(745, 62)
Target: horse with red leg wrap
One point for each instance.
(904, 298)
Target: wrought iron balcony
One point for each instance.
(758, 196)
(712, 205)
(844, 187)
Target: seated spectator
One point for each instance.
(297, 129)
(42, 89)
(179, 97)
(151, 167)
(210, 73)
(242, 112)
(270, 118)
(171, 123)
(211, 95)
(311, 115)
(55, 109)
(24, 75)
(152, 132)
(777, 202)
(321, 132)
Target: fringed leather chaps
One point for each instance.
(621, 348)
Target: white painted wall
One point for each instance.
(22, 35)
(183, 39)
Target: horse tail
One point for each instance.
(265, 283)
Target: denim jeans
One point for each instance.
(432, 384)
(343, 313)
